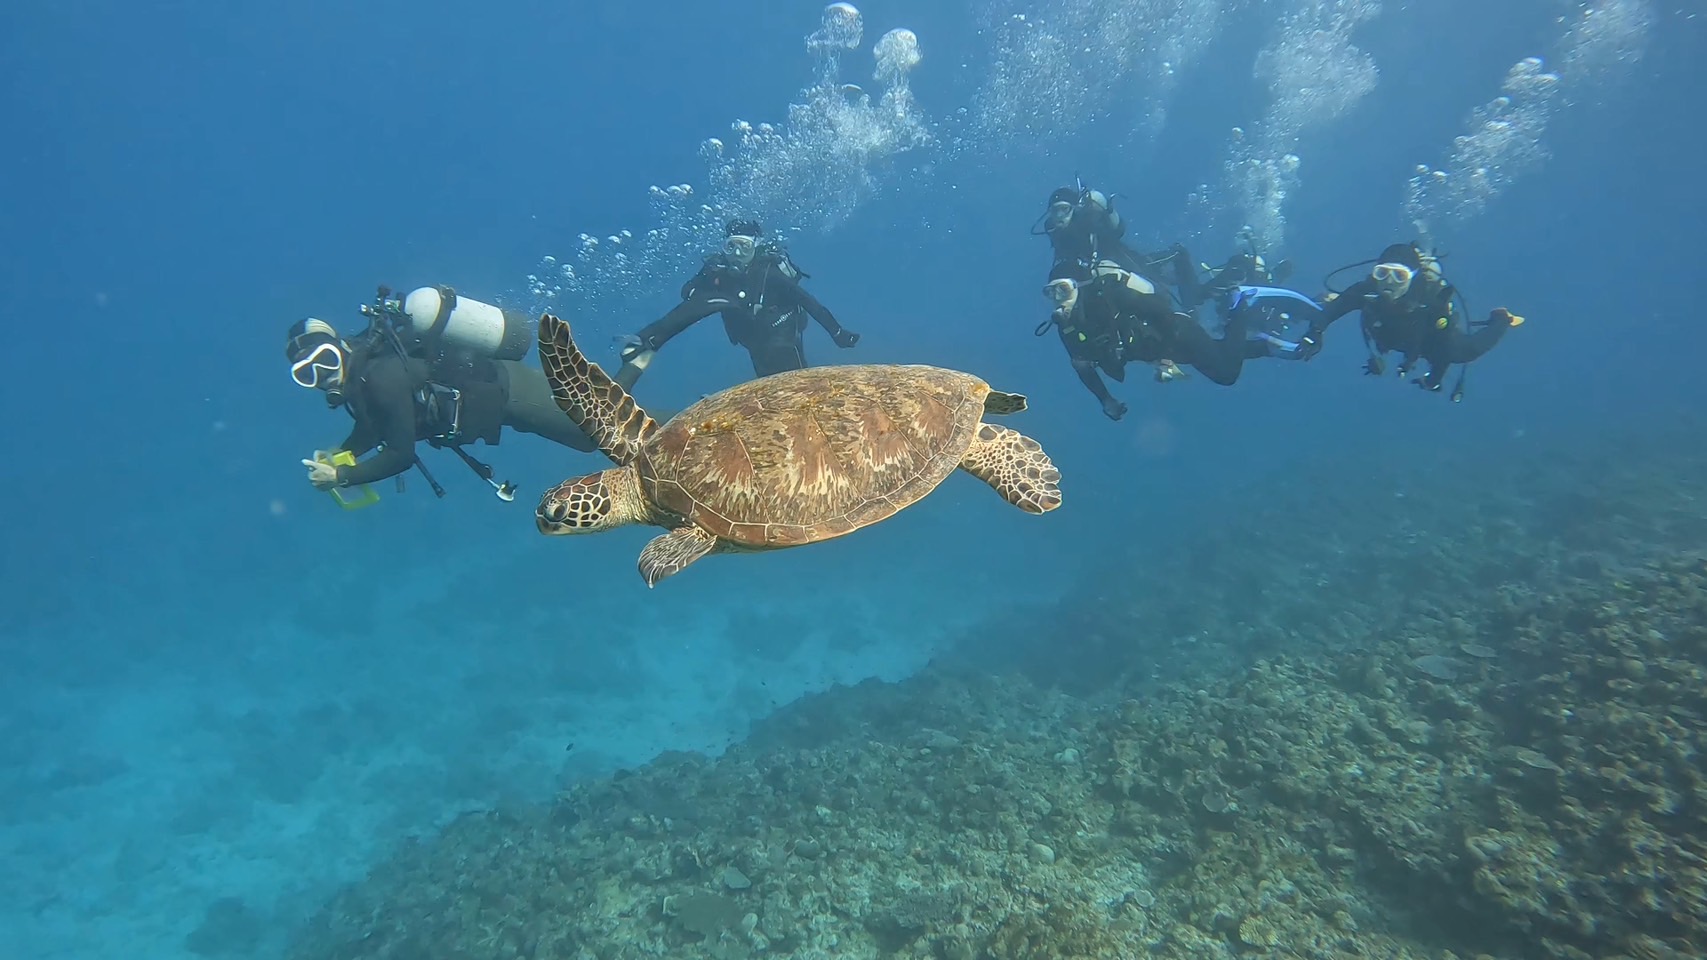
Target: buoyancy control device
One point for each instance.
(429, 322)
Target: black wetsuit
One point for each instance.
(1419, 325)
(1111, 325)
(1093, 233)
(396, 403)
(764, 310)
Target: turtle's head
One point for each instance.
(591, 504)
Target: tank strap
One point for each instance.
(434, 335)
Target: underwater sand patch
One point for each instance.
(1439, 667)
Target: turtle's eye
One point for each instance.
(580, 505)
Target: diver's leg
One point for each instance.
(777, 355)
(1464, 347)
(1220, 360)
(529, 407)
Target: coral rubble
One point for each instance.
(1512, 771)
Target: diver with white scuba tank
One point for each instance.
(432, 366)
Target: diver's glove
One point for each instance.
(1112, 408)
(1500, 316)
(845, 338)
(323, 475)
(1374, 367)
(1309, 345)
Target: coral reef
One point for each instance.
(1494, 751)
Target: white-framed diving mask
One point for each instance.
(320, 368)
(1393, 280)
(740, 250)
(1063, 293)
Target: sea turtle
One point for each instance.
(784, 460)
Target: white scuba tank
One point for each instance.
(1128, 279)
(1096, 199)
(477, 327)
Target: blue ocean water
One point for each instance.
(214, 684)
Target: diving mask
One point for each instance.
(1393, 280)
(740, 250)
(319, 369)
(1063, 292)
(1060, 214)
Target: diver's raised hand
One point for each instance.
(845, 338)
(323, 475)
(1112, 408)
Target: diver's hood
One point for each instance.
(1404, 253)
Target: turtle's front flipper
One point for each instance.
(599, 405)
(1016, 466)
(668, 554)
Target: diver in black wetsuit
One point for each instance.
(1406, 305)
(1275, 317)
(1112, 317)
(1244, 268)
(757, 290)
(399, 395)
(1082, 225)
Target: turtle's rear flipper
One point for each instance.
(1016, 466)
(999, 403)
(599, 405)
(668, 554)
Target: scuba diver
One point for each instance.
(1108, 317)
(755, 286)
(1275, 318)
(1406, 306)
(432, 366)
(1246, 267)
(1082, 225)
